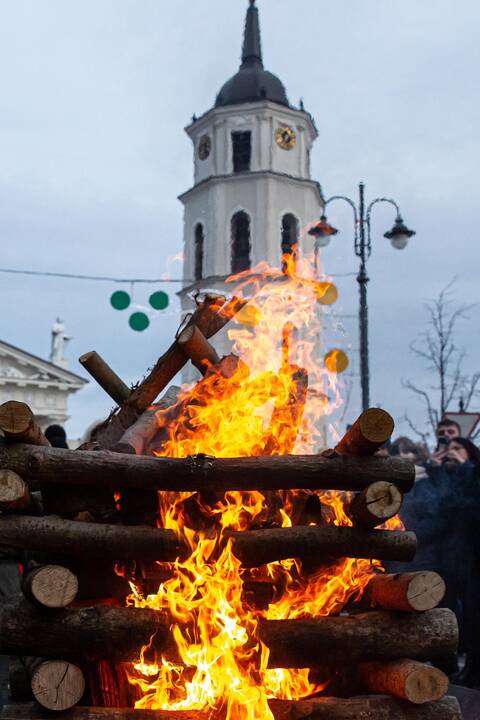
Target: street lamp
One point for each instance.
(399, 236)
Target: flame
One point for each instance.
(272, 398)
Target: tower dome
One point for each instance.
(252, 82)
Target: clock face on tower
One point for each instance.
(285, 137)
(204, 147)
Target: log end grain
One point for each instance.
(15, 417)
(425, 591)
(376, 425)
(57, 684)
(381, 501)
(14, 494)
(405, 679)
(52, 586)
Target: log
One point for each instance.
(14, 494)
(79, 501)
(119, 633)
(407, 592)
(320, 544)
(57, 684)
(375, 505)
(405, 679)
(286, 420)
(210, 317)
(196, 346)
(367, 434)
(85, 539)
(366, 707)
(31, 711)
(375, 635)
(52, 586)
(105, 376)
(19, 425)
(42, 466)
(114, 633)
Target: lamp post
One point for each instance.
(398, 236)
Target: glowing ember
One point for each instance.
(260, 405)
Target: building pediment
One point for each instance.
(22, 368)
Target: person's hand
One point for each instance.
(438, 456)
(454, 456)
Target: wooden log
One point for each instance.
(118, 633)
(210, 317)
(57, 684)
(366, 636)
(52, 586)
(14, 493)
(31, 711)
(86, 539)
(42, 466)
(259, 547)
(405, 679)
(105, 376)
(286, 419)
(367, 434)
(80, 501)
(196, 346)
(407, 592)
(19, 425)
(365, 707)
(375, 505)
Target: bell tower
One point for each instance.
(252, 197)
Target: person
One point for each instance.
(446, 431)
(460, 451)
(405, 448)
(56, 436)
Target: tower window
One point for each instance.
(289, 237)
(240, 230)
(242, 150)
(198, 251)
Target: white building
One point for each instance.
(45, 386)
(252, 196)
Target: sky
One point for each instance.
(94, 98)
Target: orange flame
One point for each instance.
(257, 405)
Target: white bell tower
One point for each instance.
(252, 197)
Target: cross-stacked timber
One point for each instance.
(405, 679)
(367, 707)
(41, 465)
(119, 633)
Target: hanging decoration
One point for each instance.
(336, 360)
(139, 320)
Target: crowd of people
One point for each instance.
(443, 509)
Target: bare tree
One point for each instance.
(436, 346)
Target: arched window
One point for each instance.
(240, 231)
(198, 250)
(289, 236)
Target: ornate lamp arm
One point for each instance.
(355, 215)
(368, 215)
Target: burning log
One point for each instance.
(405, 679)
(52, 586)
(19, 425)
(286, 419)
(367, 434)
(368, 707)
(14, 494)
(375, 505)
(39, 466)
(407, 592)
(366, 636)
(119, 634)
(105, 376)
(196, 346)
(86, 539)
(259, 547)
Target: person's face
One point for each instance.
(457, 453)
(448, 432)
(408, 455)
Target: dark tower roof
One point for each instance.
(252, 82)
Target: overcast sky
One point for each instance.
(94, 96)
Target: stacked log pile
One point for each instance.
(60, 630)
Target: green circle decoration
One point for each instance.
(159, 300)
(120, 300)
(138, 321)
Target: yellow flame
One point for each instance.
(259, 405)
